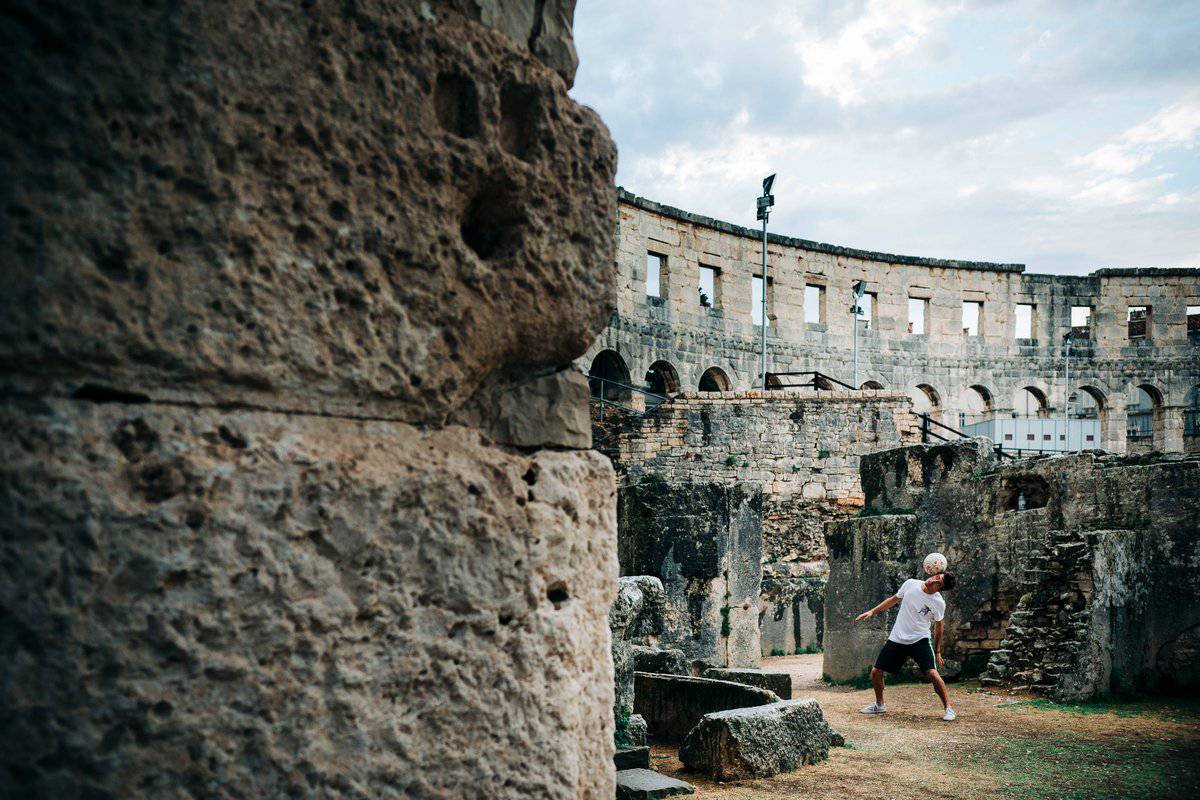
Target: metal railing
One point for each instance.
(819, 381)
(610, 393)
(927, 433)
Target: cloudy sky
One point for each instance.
(1062, 135)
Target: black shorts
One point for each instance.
(893, 655)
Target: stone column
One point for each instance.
(292, 499)
(1168, 434)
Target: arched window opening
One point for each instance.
(1191, 419)
(714, 379)
(974, 405)
(874, 385)
(1086, 415)
(1143, 418)
(1029, 402)
(662, 378)
(926, 400)
(609, 376)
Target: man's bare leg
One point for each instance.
(877, 682)
(939, 686)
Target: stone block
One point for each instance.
(664, 662)
(646, 784)
(636, 730)
(758, 742)
(673, 704)
(636, 757)
(778, 682)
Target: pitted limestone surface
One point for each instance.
(364, 209)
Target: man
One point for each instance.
(921, 604)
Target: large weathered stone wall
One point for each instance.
(676, 330)
(276, 517)
(1073, 571)
(703, 540)
(803, 450)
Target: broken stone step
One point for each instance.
(646, 784)
(632, 758)
(760, 741)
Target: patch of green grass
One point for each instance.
(1071, 767)
(1172, 708)
(778, 651)
(807, 650)
(726, 628)
(621, 734)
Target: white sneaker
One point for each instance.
(874, 708)
(950, 716)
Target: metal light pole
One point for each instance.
(1067, 396)
(764, 208)
(859, 288)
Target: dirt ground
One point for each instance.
(1001, 746)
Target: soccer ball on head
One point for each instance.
(935, 563)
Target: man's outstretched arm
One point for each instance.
(884, 606)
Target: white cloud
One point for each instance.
(842, 64)
(1176, 126)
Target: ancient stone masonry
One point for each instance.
(294, 493)
(1076, 573)
(1128, 327)
(704, 541)
(802, 449)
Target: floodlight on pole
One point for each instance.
(764, 209)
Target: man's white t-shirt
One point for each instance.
(917, 612)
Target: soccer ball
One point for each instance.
(935, 563)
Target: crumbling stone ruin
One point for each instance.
(295, 495)
(1076, 573)
(676, 465)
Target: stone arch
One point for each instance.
(714, 379)
(872, 385)
(1144, 418)
(1030, 402)
(1191, 420)
(975, 404)
(609, 368)
(1088, 403)
(926, 400)
(662, 378)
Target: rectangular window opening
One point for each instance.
(756, 298)
(709, 286)
(814, 304)
(972, 318)
(655, 272)
(1193, 324)
(1024, 321)
(1081, 322)
(866, 310)
(917, 307)
(1138, 322)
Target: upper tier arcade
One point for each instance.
(969, 341)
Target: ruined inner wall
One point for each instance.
(1074, 571)
(803, 450)
(275, 516)
(674, 328)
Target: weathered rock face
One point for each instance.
(273, 281)
(635, 615)
(758, 742)
(704, 540)
(362, 210)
